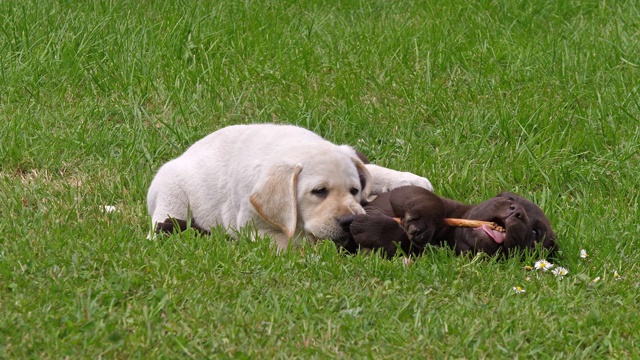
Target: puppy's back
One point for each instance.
(213, 178)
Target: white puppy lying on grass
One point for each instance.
(285, 180)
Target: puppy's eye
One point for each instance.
(536, 233)
(320, 192)
(354, 191)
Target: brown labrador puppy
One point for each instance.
(423, 216)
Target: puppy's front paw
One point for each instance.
(421, 231)
(377, 232)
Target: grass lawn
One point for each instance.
(540, 98)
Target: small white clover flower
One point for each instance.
(596, 280)
(560, 271)
(616, 276)
(108, 208)
(543, 265)
(351, 312)
(519, 290)
(583, 254)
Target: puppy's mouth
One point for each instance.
(497, 236)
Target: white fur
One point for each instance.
(266, 175)
(385, 180)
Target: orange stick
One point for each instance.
(467, 223)
(472, 223)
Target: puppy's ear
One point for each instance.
(362, 157)
(275, 197)
(365, 180)
(550, 243)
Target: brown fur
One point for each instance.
(423, 216)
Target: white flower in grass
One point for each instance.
(352, 312)
(407, 261)
(543, 265)
(519, 290)
(108, 208)
(616, 276)
(596, 280)
(583, 254)
(560, 272)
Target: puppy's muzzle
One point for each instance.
(516, 212)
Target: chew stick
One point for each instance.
(472, 223)
(467, 223)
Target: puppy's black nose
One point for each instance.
(515, 210)
(345, 221)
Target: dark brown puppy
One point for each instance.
(525, 223)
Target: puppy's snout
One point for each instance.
(345, 221)
(515, 210)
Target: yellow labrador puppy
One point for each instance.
(286, 181)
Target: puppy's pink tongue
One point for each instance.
(497, 236)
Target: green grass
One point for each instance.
(540, 98)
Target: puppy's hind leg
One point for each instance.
(168, 205)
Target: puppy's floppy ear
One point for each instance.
(274, 197)
(365, 180)
(362, 157)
